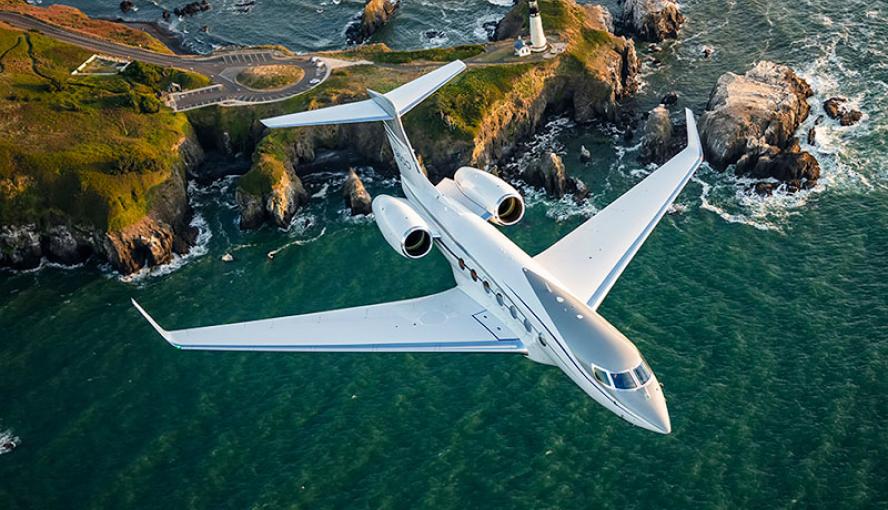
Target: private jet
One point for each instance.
(504, 301)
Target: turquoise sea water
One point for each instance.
(766, 319)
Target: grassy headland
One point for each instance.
(471, 120)
(81, 149)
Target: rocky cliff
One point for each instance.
(751, 120)
(652, 20)
(478, 119)
(153, 239)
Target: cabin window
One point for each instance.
(601, 375)
(513, 311)
(542, 338)
(500, 300)
(474, 275)
(642, 373)
(486, 287)
(624, 381)
(527, 325)
(462, 264)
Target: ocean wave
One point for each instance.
(8, 441)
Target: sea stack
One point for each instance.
(376, 14)
(751, 121)
(652, 20)
(356, 197)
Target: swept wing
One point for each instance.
(591, 258)
(449, 321)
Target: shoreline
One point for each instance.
(172, 40)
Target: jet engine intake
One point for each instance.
(402, 227)
(494, 195)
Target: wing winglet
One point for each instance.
(693, 136)
(164, 333)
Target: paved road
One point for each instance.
(221, 68)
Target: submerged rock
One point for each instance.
(835, 109)
(652, 20)
(126, 5)
(585, 155)
(356, 197)
(751, 121)
(669, 99)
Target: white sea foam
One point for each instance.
(6, 438)
(199, 249)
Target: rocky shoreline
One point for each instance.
(150, 241)
(749, 122)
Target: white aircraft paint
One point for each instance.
(543, 307)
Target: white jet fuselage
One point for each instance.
(461, 234)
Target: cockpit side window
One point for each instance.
(624, 381)
(643, 373)
(601, 375)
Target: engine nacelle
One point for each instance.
(492, 194)
(402, 227)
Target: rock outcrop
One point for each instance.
(152, 240)
(751, 121)
(835, 108)
(599, 15)
(356, 197)
(652, 20)
(548, 173)
(272, 192)
(376, 14)
(659, 141)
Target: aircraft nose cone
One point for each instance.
(659, 415)
(649, 404)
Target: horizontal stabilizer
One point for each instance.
(403, 98)
(411, 94)
(362, 111)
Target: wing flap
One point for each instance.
(589, 260)
(443, 322)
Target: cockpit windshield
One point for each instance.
(624, 381)
(628, 380)
(642, 373)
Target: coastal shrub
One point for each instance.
(145, 74)
(135, 159)
(148, 103)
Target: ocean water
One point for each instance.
(766, 320)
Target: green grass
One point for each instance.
(81, 149)
(380, 53)
(270, 77)
(458, 109)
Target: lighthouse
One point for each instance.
(537, 37)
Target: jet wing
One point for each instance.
(589, 260)
(449, 321)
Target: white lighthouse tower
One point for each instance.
(537, 37)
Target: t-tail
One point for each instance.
(386, 108)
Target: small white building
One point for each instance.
(522, 49)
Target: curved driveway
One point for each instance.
(220, 67)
